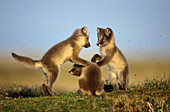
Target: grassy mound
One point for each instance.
(153, 95)
(18, 91)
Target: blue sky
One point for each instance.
(31, 27)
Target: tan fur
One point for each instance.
(67, 50)
(110, 55)
(91, 81)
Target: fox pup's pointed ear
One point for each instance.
(98, 29)
(108, 31)
(84, 30)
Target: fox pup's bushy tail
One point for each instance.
(27, 61)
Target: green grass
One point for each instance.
(151, 95)
(18, 91)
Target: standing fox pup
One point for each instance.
(67, 50)
(111, 56)
(91, 81)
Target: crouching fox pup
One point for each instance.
(110, 55)
(67, 50)
(91, 81)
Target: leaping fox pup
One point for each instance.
(67, 50)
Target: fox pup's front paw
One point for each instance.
(95, 58)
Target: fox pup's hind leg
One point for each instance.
(113, 78)
(100, 93)
(45, 91)
(126, 79)
(51, 72)
(126, 82)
